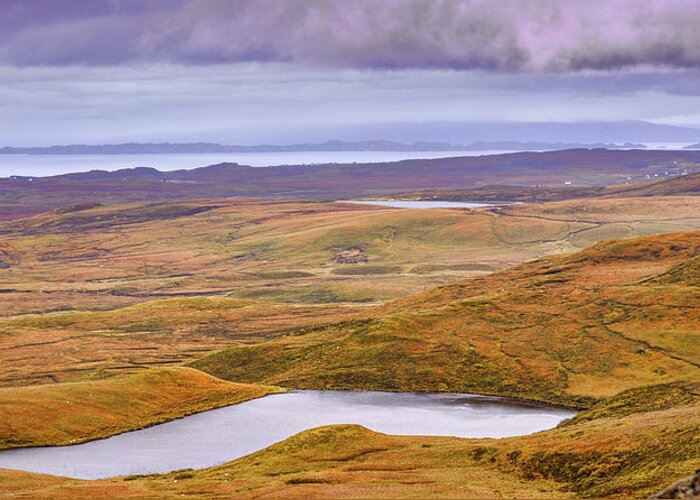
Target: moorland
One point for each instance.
(123, 310)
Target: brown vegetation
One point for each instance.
(623, 455)
(59, 414)
(280, 294)
(568, 329)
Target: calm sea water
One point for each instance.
(42, 165)
(220, 435)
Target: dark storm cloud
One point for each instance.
(491, 35)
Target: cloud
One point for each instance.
(540, 36)
(257, 103)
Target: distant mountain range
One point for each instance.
(693, 146)
(379, 145)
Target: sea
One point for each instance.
(46, 165)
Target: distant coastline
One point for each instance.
(335, 145)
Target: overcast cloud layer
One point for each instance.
(492, 35)
(284, 71)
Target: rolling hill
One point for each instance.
(568, 329)
(60, 414)
(90, 290)
(611, 329)
(303, 295)
(676, 185)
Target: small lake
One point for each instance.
(424, 204)
(218, 436)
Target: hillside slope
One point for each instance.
(674, 186)
(568, 329)
(60, 414)
(123, 287)
(678, 184)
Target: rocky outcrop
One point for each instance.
(688, 488)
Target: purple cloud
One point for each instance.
(490, 35)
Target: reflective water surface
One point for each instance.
(42, 165)
(220, 435)
(424, 204)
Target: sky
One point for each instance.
(286, 71)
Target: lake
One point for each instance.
(218, 436)
(423, 204)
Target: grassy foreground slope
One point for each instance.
(613, 328)
(568, 329)
(59, 414)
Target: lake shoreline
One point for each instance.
(234, 431)
(516, 401)
(425, 204)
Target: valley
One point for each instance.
(332, 249)
(119, 316)
(93, 291)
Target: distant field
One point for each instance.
(668, 183)
(106, 257)
(300, 295)
(589, 303)
(185, 279)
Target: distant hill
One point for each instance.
(335, 145)
(569, 169)
(693, 146)
(676, 184)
